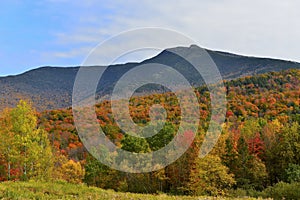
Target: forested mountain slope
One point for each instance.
(51, 87)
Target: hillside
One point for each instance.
(256, 155)
(274, 95)
(51, 87)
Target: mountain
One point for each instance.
(51, 87)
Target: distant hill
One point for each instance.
(51, 87)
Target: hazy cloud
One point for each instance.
(263, 28)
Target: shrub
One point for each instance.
(293, 173)
(283, 191)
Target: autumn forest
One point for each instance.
(257, 154)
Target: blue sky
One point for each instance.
(62, 32)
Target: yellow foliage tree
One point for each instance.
(72, 172)
(25, 147)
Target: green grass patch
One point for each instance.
(63, 190)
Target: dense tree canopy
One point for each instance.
(259, 145)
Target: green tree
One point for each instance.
(99, 175)
(162, 138)
(288, 149)
(28, 148)
(210, 177)
(251, 171)
(230, 156)
(293, 173)
(135, 144)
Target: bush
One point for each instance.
(242, 193)
(283, 191)
(293, 173)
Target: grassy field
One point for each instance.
(60, 190)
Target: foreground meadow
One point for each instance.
(62, 190)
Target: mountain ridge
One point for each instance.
(222, 53)
(51, 87)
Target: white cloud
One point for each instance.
(261, 28)
(71, 53)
